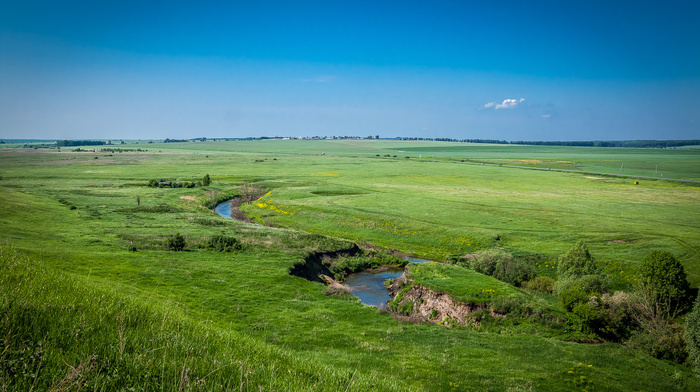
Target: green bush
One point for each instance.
(692, 335)
(206, 180)
(484, 262)
(620, 311)
(543, 284)
(573, 296)
(175, 242)
(572, 292)
(577, 262)
(593, 284)
(663, 281)
(499, 264)
(663, 340)
(222, 243)
(513, 271)
(592, 317)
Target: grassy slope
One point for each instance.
(62, 332)
(251, 292)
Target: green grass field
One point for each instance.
(72, 218)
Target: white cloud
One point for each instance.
(546, 115)
(506, 104)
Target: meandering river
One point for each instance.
(368, 286)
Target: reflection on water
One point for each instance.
(224, 209)
(369, 286)
(415, 260)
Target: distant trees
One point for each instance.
(72, 143)
(164, 183)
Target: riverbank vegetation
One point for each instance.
(74, 220)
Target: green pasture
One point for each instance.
(75, 216)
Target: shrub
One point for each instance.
(663, 281)
(485, 262)
(594, 284)
(612, 317)
(620, 311)
(206, 180)
(592, 317)
(513, 271)
(573, 296)
(662, 340)
(153, 183)
(692, 335)
(572, 292)
(223, 243)
(577, 262)
(175, 242)
(543, 284)
(501, 265)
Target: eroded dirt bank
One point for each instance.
(418, 303)
(313, 267)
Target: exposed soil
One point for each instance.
(312, 268)
(236, 213)
(428, 305)
(434, 307)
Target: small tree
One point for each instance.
(577, 262)
(206, 180)
(223, 243)
(663, 281)
(175, 242)
(692, 335)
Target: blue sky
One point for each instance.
(514, 70)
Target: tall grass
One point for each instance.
(62, 333)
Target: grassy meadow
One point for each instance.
(92, 299)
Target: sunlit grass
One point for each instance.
(430, 209)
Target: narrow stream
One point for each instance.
(368, 286)
(224, 209)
